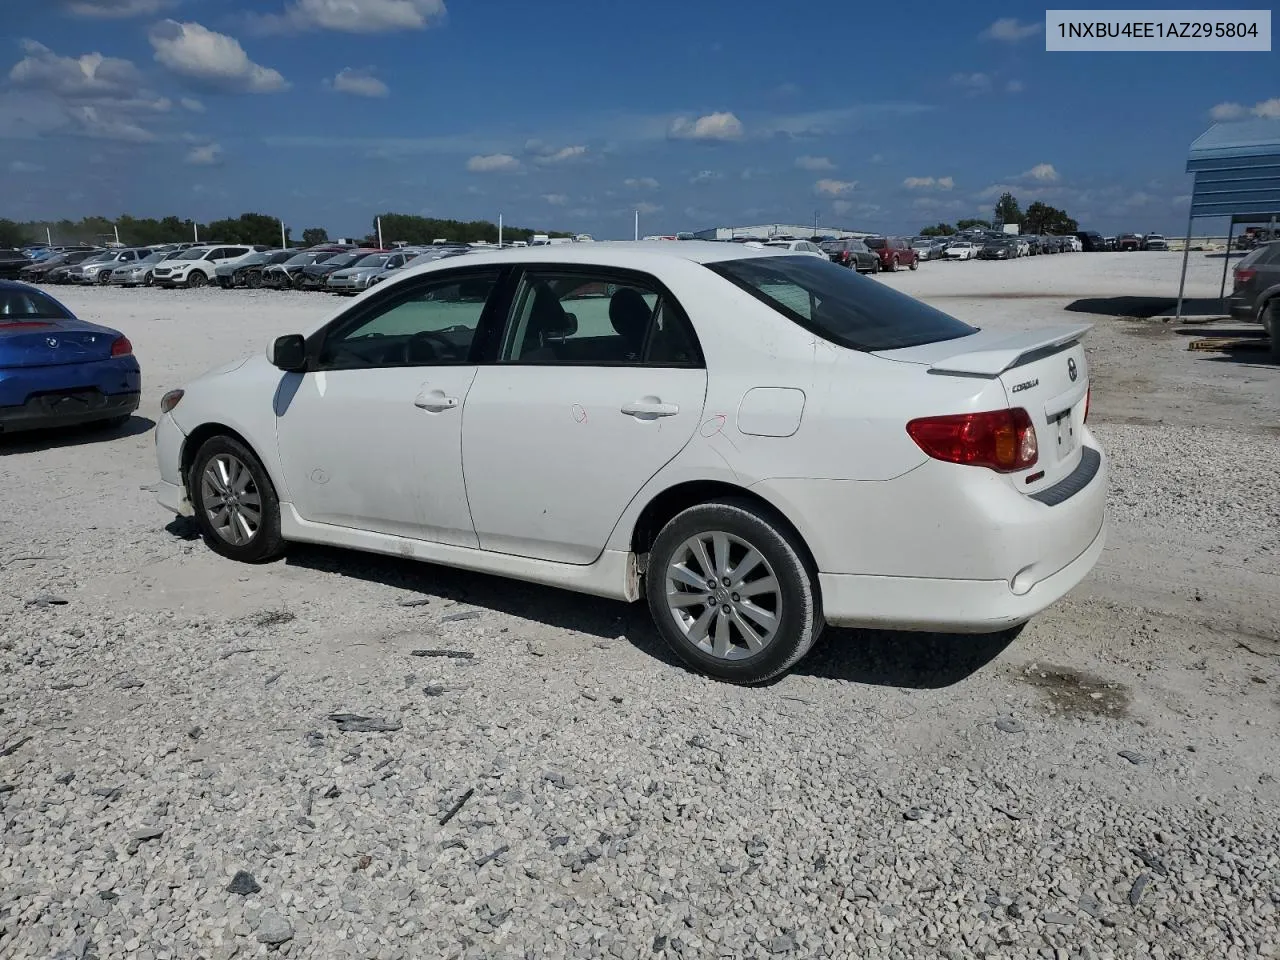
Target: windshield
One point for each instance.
(840, 305)
(373, 260)
(195, 253)
(98, 258)
(303, 259)
(18, 305)
(875, 243)
(154, 257)
(341, 260)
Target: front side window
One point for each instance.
(581, 319)
(427, 323)
(840, 305)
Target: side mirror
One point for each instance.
(290, 353)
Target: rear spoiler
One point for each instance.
(1005, 353)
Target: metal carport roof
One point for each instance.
(1237, 175)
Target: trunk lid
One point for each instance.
(43, 343)
(1042, 371)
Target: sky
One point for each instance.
(570, 115)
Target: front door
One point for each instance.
(599, 383)
(372, 437)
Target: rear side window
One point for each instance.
(19, 304)
(840, 305)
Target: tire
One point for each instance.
(740, 527)
(218, 459)
(875, 265)
(148, 282)
(104, 278)
(915, 264)
(196, 279)
(893, 265)
(253, 280)
(1270, 317)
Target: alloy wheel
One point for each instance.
(723, 595)
(231, 499)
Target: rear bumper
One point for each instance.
(60, 410)
(953, 606)
(1242, 309)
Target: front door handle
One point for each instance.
(650, 408)
(435, 401)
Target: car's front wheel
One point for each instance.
(731, 592)
(196, 279)
(234, 501)
(1270, 317)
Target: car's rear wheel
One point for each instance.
(253, 280)
(234, 501)
(731, 593)
(1270, 317)
(196, 279)
(875, 265)
(915, 264)
(893, 265)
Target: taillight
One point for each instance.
(1002, 440)
(170, 400)
(121, 347)
(1243, 275)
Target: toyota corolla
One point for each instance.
(758, 443)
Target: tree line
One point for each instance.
(1037, 219)
(252, 228)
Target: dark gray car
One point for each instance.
(1255, 295)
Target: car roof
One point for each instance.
(622, 253)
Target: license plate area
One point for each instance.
(1064, 427)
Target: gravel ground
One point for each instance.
(199, 759)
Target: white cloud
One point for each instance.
(493, 163)
(834, 188)
(545, 155)
(1010, 30)
(113, 9)
(647, 208)
(705, 176)
(88, 77)
(929, 183)
(842, 206)
(714, 126)
(555, 199)
(1014, 86)
(641, 183)
(1238, 111)
(1041, 173)
(814, 163)
(358, 82)
(995, 190)
(1139, 199)
(1228, 111)
(206, 156)
(973, 82)
(1267, 108)
(195, 106)
(210, 58)
(21, 166)
(353, 16)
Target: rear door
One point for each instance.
(598, 383)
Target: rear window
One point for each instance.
(17, 305)
(875, 243)
(1263, 253)
(840, 305)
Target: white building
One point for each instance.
(767, 231)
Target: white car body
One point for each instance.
(1024, 247)
(964, 250)
(197, 266)
(553, 472)
(797, 246)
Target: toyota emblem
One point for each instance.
(1071, 368)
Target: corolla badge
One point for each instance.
(1071, 368)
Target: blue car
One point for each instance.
(56, 370)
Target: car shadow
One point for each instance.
(31, 441)
(1146, 307)
(889, 658)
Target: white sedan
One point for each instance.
(759, 443)
(805, 247)
(964, 250)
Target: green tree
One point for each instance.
(1042, 218)
(13, 234)
(314, 236)
(940, 230)
(1007, 209)
(968, 222)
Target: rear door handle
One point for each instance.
(650, 408)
